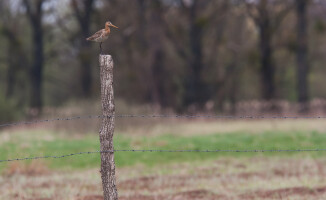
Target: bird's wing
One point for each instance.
(96, 35)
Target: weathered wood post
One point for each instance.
(107, 129)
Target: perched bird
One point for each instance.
(102, 35)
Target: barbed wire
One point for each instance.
(158, 116)
(50, 120)
(168, 151)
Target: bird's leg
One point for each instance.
(101, 47)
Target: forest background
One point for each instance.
(185, 56)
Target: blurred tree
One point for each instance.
(83, 10)
(195, 87)
(190, 48)
(197, 38)
(10, 31)
(302, 53)
(229, 83)
(142, 25)
(34, 13)
(267, 16)
(157, 54)
(14, 65)
(177, 54)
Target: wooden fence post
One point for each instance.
(107, 129)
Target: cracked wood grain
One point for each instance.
(107, 129)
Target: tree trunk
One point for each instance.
(142, 27)
(195, 90)
(34, 13)
(267, 16)
(267, 68)
(85, 59)
(37, 68)
(83, 12)
(107, 129)
(302, 52)
(10, 73)
(13, 63)
(86, 69)
(157, 54)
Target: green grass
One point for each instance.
(29, 144)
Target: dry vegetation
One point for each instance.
(227, 178)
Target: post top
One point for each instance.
(105, 56)
(106, 61)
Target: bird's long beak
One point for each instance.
(114, 26)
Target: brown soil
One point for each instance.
(285, 192)
(224, 179)
(194, 194)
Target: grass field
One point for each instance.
(153, 175)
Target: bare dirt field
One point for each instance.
(226, 178)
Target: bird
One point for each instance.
(102, 35)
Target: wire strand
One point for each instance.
(168, 151)
(158, 116)
(50, 120)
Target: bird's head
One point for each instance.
(108, 23)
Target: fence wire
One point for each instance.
(158, 116)
(168, 151)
